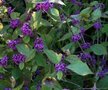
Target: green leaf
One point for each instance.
(72, 58)
(26, 39)
(54, 15)
(96, 14)
(23, 17)
(88, 26)
(35, 20)
(2, 70)
(16, 33)
(33, 87)
(66, 36)
(103, 83)
(94, 3)
(54, 57)
(105, 29)
(67, 47)
(27, 73)
(75, 30)
(47, 39)
(45, 23)
(15, 15)
(31, 55)
(19, 87)
(23, 49)
(57, 1)
(34, 68)
(4, 83)
(78, 80)
(21, 66)
(54, 12)
(44, 87)
(34, 1)
(79, 67)
(16, 73)
(99, 49)
(86, 11)
(5, 28)
(105, 44)
(40, 60)
(59, 75)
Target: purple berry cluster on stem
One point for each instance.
(14, 23)
(84, 56)
(4, 61)
(10, 10)
(44, 6)
(97, 25)
(60, 67)
(75, 2)
(39, 45)
(85, 45)
(12, 43)
(76, 37)
(18, 58)
(103, 72)
(7, 89)
(75, 22)
(26, 30)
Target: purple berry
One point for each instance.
(12, 43)
(14, 23)
(10, 10)
(77, 12)
(82, 30)
(39, 45)
(44, 6)
(18, 58)
(84, 56)
(75, 21)
(97, 25)
(93, 60)
(99, 5)
(38, 87)
(75, 2)
(1, 76)
(26, 88)
(26, 30)
(7, 89)
(76, 37)
(103, 72)
(60, 67)
(62, 17)
(85, 45)
(4, 61)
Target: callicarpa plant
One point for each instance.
(53, 45)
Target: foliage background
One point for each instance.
(39, 68)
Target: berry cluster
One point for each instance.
(18, 58)
(44, 6)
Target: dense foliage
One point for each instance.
(53, 45)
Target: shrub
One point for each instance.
(53, 44)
